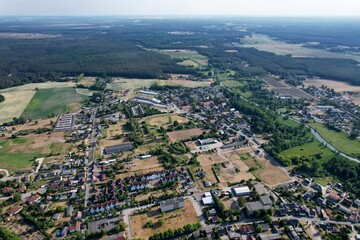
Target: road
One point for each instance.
(91, 157)
(39, 161)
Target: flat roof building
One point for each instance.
(118, 148)
(172, 204)
(241, 191)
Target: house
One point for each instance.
(208, 200)
(15, 210)
(57, 216)
(246, 229)
(332, 197)
(64, 232)
(69, 210)
(75, 227)
(172, 204)
(7, 190)
(33, 199)
(241, 191)
(119, 236)
(78, 215)
(274, 236)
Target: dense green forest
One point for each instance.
(116, 48)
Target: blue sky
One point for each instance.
(181, 7)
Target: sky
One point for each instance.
(180, 7)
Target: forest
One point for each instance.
(119, 49)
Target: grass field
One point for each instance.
(339, 140)
(287, 122)
(10, 160)
(53, 101)
(309, 149)
(233, 83)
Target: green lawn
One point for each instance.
(339, 140)
(53, 101)
(288, 122)
(309, 149)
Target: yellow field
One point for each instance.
(14, 104)
(336, 85)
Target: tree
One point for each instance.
(17, 197)
(241, 201)
(268, 219)
(259, 229)
(161, 222)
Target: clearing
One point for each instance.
(184, 134)
(340, 140)
(266, 43)
(173, 220)
(185, 54)
(53, 101)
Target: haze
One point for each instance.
(180, 7)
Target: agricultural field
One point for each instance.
(266, 43)
(340, 140)
(184, 83)
(185, 55)
(184, 134)
(53, 101)
(172, 220)
(18, 98)
(120, 84)
(336, 85)
(281, 88)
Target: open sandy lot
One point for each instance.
(164, 119)
(336, 85)
(173, 220)
(149, 163)
(184, 134)
(267, 171)
(209, 159)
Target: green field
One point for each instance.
(233, 83)
(287, 122)
(53, 101)
(338, 139)
(15, 160)
(308, 150)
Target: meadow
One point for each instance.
(189, 57)
(340, 140)
(53, 101)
